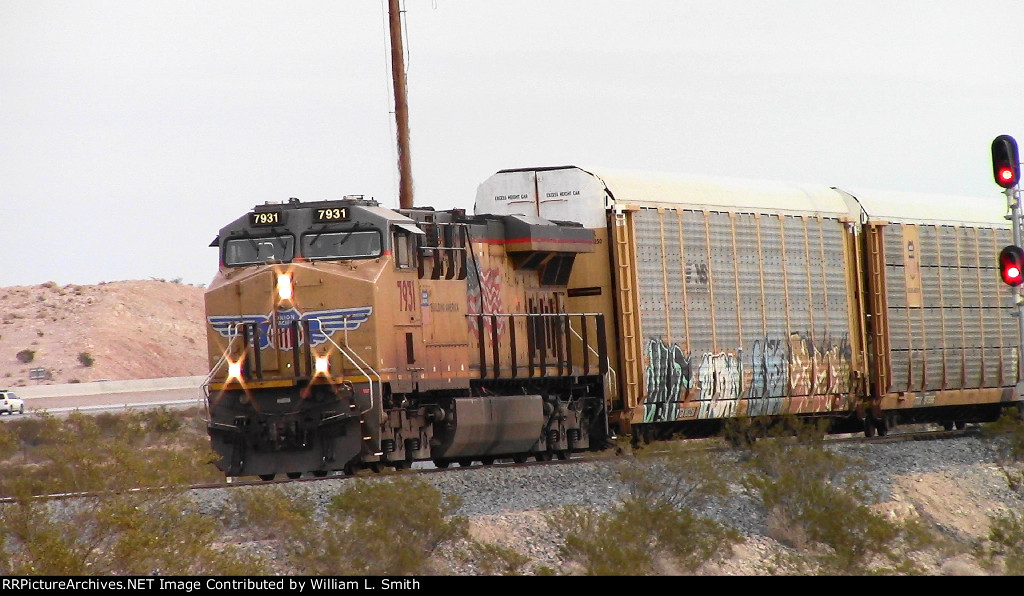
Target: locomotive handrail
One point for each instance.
(612, 380)
(232, 335)
(562, 352)
(346, 352)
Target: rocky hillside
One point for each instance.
(117, 330)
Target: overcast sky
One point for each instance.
(131, 131)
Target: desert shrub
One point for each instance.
(383, 527)
(129, 533)
(162, 420)
(25, 356)
(495, 559)
(819, 505)
(104, 452)
(654, 526)
(86, 359)
(1006, 436)
(1006, 543)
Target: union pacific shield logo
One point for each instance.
(322, 324)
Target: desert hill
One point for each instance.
(115, 330)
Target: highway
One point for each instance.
(176, 392)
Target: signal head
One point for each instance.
(1011, 265)
(1005, 161)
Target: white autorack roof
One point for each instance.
(938, 209)
(721, 193)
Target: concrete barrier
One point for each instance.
(106, 387)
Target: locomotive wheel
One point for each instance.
(319, 473)
(542, 456)
(465, 463)
(519, 458)
(294, 475)
(266, 477)
(563, 455)
(487, 461)
(402, 464)
(441, 463)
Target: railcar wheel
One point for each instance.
(266, 477)
(563, 455)
(487, 461)
(319, 473)
(465, 463)
(441, 463)
(881, 425)
(294, 475)
(869, 427)
(947, 424)
(960, 424)
(519, 458)
(542, 456)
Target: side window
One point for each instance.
(405, 254)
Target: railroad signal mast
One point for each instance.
(1006, 172)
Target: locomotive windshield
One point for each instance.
(341, 245)
(252, 251)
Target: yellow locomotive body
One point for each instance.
(342, 334)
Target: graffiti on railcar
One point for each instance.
(769, 364)
(720, 383)
(812, 373)
(815, 370)
(668, 375)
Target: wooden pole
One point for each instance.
(401, 106)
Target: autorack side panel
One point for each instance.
(719, 288)
(742, 314)
(951, 332)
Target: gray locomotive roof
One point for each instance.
(922, 208)
(721, 193)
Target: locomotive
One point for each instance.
(577, 304)
(344, 335)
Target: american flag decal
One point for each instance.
(484, 297)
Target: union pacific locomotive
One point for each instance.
(576, 304)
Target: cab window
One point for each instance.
(355, 244)
(252, 251)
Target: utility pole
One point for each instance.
(401, 106)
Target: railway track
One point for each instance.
(916, 433)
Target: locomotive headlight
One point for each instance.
(234, 370)
(322, 365)
(284, 286)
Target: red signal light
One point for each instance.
(1011, 265)
(1005, 161)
